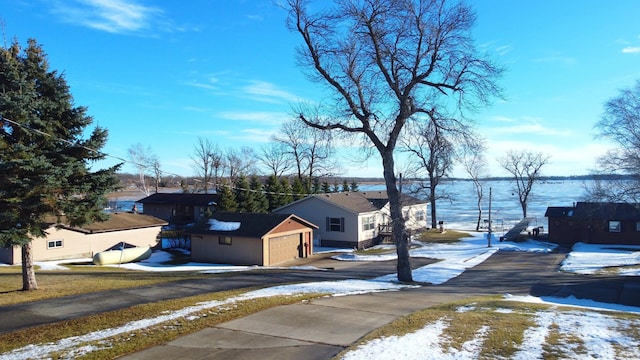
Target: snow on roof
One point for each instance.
(218, 225)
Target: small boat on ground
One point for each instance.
(121, 254)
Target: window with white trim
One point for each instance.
(368, 223)
(420, 215)
(615, 226)
(224, 240)
(52, 244)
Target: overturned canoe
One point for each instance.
(122, 256)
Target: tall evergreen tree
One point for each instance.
(298, 189)
(286, 196)
(261, 205)
(45, 173)
(325, 187)
(244, 195)
(273, 190)
(227, 200)
(345, 186)
(353, 186)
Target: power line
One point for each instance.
(140, 165)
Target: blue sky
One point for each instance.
(163, 73)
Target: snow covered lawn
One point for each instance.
(587, 332)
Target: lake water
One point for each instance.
(460, 211)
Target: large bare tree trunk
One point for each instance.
(28, 270)
(395, 208)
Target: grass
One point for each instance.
(504, 322)
(80, 280)
(435, 236)
(149, 336)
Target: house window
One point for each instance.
(368, 223)
(224, 240)
(335, 224)
(52, 244)
(420, 215)
(615, 226)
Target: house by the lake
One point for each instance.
(595, 223)
(355, 219)
(179, 208)
(66, 242)
(251, 239)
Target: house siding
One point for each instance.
(77, 244)
(242, 251)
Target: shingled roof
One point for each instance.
(250, 224)
(366, 201)
(602, 210)
(117, 222)
(180, 199)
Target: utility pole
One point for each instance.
(489, 232)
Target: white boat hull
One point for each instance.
(122, 256)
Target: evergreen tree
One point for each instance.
(354, 186)
(227, 199)
(325, 188)
(336, 186)
(244, 195)
(345, 186)
(261, 205)
(298, 189)
(273, 189)
(45, 163)
(316, 188)
(286, 196)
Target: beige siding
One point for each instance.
(242, 251)
(81, 245)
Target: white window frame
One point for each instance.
(615, 226)
(368, 223)
(54, 244)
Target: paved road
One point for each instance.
(323, 327)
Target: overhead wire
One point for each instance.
(140, 165)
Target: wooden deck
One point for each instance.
(517, 229)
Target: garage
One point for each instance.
(284, 248)
(251, 239)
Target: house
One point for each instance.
(251, 239)
(594, 222)
(179, 208)
(65, 242)
(355, 219)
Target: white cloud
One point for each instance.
(113, 16)
(267, 92)
(272, 118)
(631, 50)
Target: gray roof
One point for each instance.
(251, 224)
(366, 201)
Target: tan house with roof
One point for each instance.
(355, 219)
(64, 242)
(252, 239)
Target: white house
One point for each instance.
(355, 219)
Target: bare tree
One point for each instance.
(525, 167)
(387, 62)
(433, 156)
(308, 148)
(205, 161)
(620, 123)
(240, 162)
(474, 164)
(143, 159)
(156, 170)
(275, 158)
